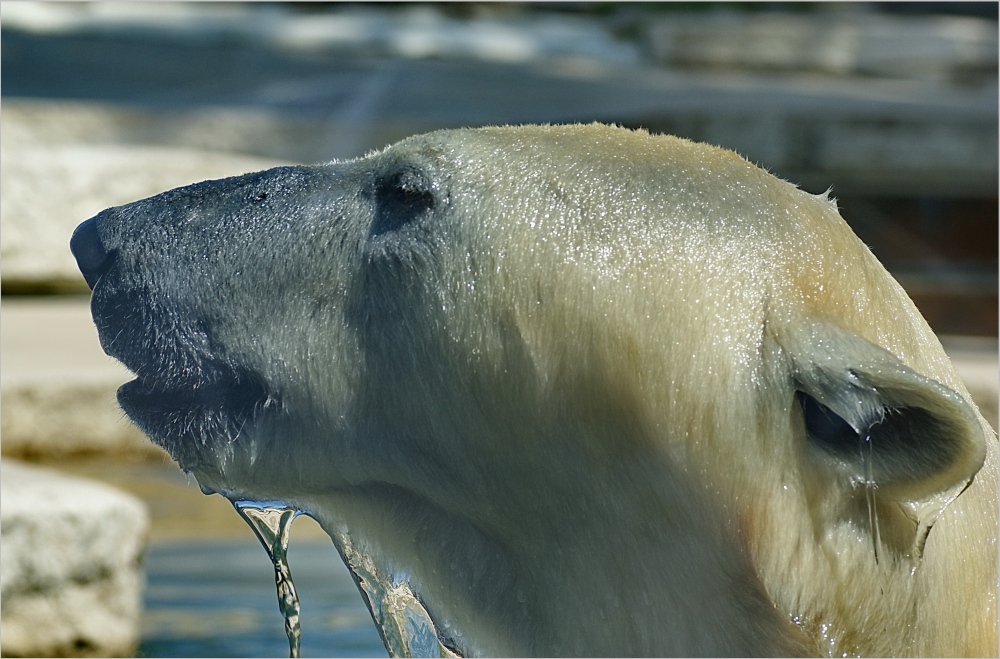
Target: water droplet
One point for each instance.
(271, 521)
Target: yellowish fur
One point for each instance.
(577, 405)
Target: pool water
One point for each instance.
(216, 598)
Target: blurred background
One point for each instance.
(893, 106)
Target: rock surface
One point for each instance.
(57, 387)
(70, 571)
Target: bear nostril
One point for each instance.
(91, 257)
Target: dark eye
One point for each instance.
(401, 199)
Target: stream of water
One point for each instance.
(272, 522)
(402, 621)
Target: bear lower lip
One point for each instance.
(198, 415)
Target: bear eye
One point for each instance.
(401, 199)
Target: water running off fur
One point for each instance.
(271, 521)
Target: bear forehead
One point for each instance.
(616, 171)
(589, 146)
(606, 185)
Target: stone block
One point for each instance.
(57, 387)
(70, 571)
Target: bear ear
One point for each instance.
(877, 420)
(400, 199)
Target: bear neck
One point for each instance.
(626, 558)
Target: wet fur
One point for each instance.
(593, 391)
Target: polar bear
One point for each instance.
(590, 390)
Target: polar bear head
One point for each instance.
(592, 391)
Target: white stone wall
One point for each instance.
(70, 569)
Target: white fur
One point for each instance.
(565, 409)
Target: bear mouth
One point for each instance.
(194, 419)
(185, 398)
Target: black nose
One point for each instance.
(91, 257)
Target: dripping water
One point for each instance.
(271, 521)
(406, 627)
(870, 488)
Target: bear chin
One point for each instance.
(197, 418)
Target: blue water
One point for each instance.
(217, 599)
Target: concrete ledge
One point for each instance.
(70, 577)
(57, 387)
(845, 41)
(56, 419)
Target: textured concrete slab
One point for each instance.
(70, 571)
(57, 387)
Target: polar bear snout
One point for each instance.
(163, 269)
